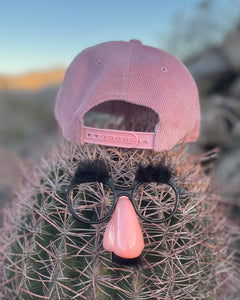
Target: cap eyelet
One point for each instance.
(98, 62)
(164, 69)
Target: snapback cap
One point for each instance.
(136, 74)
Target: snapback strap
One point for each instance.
(118, 138)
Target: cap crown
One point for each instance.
(137, 74)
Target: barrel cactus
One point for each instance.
(48, 254)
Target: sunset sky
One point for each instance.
(38, 35)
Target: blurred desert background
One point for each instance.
(207, 42)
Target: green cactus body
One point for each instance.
(47, 254)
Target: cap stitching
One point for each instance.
(129, 69)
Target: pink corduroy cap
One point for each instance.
(136, 74)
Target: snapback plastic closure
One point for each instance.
(118, 138)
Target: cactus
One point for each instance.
(47, 254)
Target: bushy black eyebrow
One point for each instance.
(158, 172)
(91, 171)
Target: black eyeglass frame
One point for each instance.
(129, 192)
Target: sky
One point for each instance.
(46, 34)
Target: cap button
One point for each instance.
(135, 41)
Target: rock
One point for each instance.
(236, 132)
(12, 166)
(231, 50)
(230, 104)
(215, 129)
(208, 69)
(5, 197)
(234, 89)
(209, 63)
(10, 176)
(220, 124)
(227, 174)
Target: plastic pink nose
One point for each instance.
(123, 235)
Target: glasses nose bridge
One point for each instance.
(124, 191)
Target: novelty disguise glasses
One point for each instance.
(92, 195)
